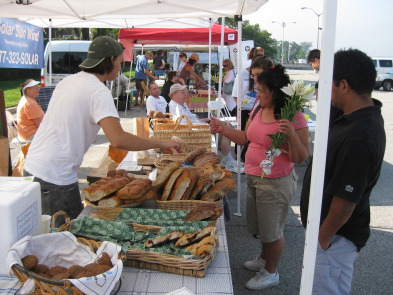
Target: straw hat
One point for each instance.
(194, 56)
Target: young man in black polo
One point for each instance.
(355, 151)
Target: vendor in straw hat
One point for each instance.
(187, 73)
(80, 106)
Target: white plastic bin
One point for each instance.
(20, 213)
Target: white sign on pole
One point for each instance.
(245, 49)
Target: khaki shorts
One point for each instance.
(268, 201)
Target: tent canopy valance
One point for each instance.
(189, 36)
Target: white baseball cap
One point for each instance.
(30, 84)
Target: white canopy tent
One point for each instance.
(97, 10)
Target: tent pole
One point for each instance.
(321, 138)
(210, 64)
(239, 105)
(50, 52)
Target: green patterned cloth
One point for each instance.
(122, 233)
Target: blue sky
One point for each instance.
(361, 24)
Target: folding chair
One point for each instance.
(13, 132)
(218, 106)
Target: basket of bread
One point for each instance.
(190, 133)
(183, 188)
(118, 189)
(60, 263)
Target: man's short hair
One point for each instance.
(313, 54)
(357, 68)
(151, 84)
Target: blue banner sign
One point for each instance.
(21, 45)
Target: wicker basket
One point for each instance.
(186, 205)
(191, 134)
(157, 261)
(46, 286)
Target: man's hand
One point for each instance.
(168, 145)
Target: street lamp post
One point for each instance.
(318, 15)
(283, 25)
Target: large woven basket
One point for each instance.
(152, 260)
(46, 286)
(190, 133)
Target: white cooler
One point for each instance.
(20, 213)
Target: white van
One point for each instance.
(383, 64)
(67, 55)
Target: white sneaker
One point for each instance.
(232, 166)
(263, 279)
(255, 264)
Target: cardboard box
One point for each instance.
(141, 127)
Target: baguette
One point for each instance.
(191, 238)
(169, 184)
(135, 189)
(110, 202)
(149, 195)
(203, 248)
(164, 239)
(103, 188)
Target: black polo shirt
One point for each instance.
(356, 146)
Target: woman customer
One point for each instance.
(29, 113)
(188, 73)
(228, 81)
(269, 197)
(80, 106)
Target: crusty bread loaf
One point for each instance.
(164, 239)
(203, 184)
(118, 172)
(110, 202)
(203, 248)
(219, 190)
(201, 212)
(194, 237)
(193, 180)
(206, 158)
(164, 175)
(181, 185)
(104, 187)
(169, 184)
(158, 115)
(195, 153)
(135, 189)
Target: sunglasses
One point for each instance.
(224, 66)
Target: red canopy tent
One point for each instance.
(189, 36)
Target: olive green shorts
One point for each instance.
(268, 201)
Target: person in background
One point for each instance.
(188, 73)
(159, 64)
(29, 113)
(80, 106)
(229, 79)
(141, 74)
(253, 52)
(314, 59)
(155, 102)
(354, 157)
(178, 106)
(172, 78)
(183, 59)
(268, 198)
